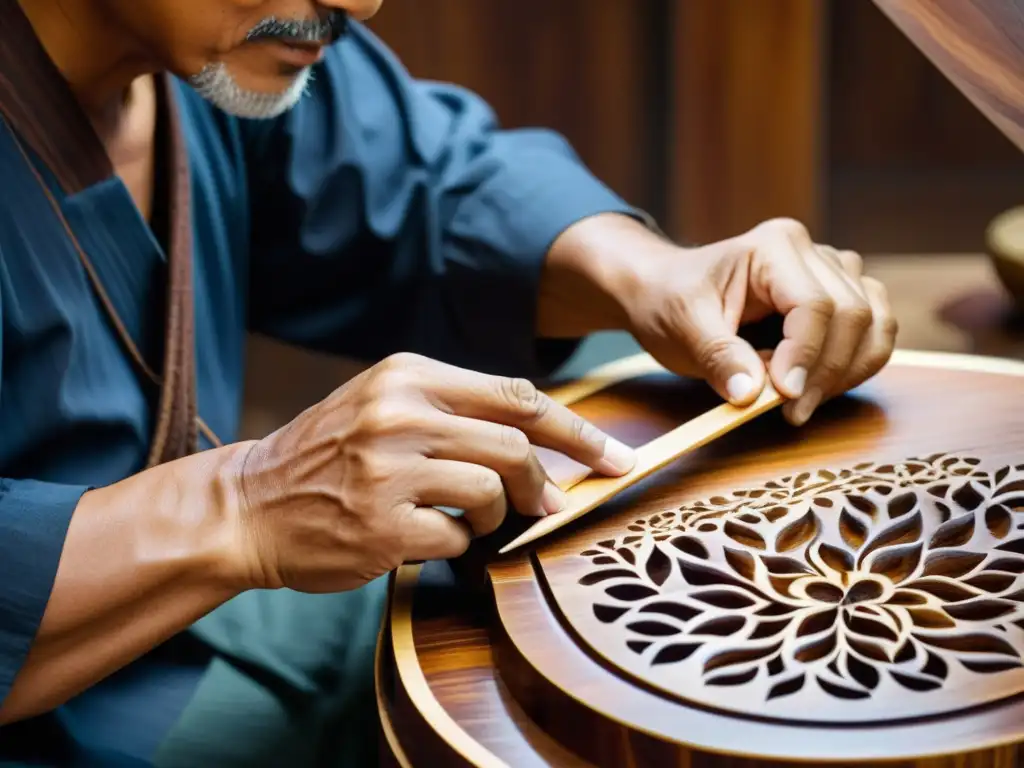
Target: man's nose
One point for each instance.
(360, 10)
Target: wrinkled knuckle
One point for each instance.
(521, 395)
(890, 328)
(786, 225)
(384, 416)
(489, 486)
(831, 370)
(516, 444)
(375, 468)
(822, 305)
(398, 371)
(713, 353)
(856, 314)
(851, 257)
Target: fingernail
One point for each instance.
(618, 458)
(552, 500)
(739, 386)
(804, 407)
(795, 381)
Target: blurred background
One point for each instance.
(714, 115)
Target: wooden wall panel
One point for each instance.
(590, 69)
(914, 166)
(745, 139)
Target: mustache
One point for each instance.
(327, 30)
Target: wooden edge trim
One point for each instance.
(605, 376)
(383, 711)
(643, 364)
(415, 682)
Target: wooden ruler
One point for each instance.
(594, 490)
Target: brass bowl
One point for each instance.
(1004, 241)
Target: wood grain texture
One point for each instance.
(747, 114)
(530, 673)
(977, 45)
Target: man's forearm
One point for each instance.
(143, 559)
(587, 276)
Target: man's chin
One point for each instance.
(270, 98)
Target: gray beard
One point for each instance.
(215, 84)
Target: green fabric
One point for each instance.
(292, 684)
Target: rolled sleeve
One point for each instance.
(34, 520)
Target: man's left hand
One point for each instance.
(686, 307)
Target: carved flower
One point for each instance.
(911, 571)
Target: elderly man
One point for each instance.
(178, 173)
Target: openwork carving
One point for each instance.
(899, 587)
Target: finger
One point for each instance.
(729, 363)
(477, 491)
(516, 402)
(430, 534)
(850, 262)
(880, 341)
(507, 452)
(789, 285)
(850, 321)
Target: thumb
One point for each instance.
(730, 364)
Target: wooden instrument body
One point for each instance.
(843, 594)
(849, 593)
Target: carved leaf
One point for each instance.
(998, 520)
(840, 691)
(724, 598)
(743, 534)
(797, 533)
(631, 592)
(945, 591)
(970, 643)
(674, 653)
(691, 545)
(658, 566)
(992, 582)
(863, 504)
(862, 672)
(906, 529)
(902, 504)
(897, 563)
(980, 610)
(679, 611)
(652, 628)
(723, 626)
(781, 566)
(731, 658)
(853, 531)
(787, 687)
(954, 533)
(967, 496)
(837, 559)
(608, 613)
(741, 562)
(603, 575)
(951, 563)
(929, 618)
(740, 678)
(914, 682)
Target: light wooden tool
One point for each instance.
(592, 491)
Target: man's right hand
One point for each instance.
(348, 490)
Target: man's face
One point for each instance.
(251, 58)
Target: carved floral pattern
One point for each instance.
(850, 581)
